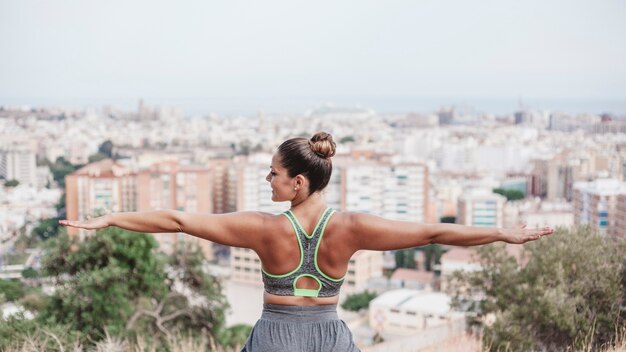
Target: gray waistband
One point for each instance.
(299, 314)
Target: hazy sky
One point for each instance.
(64, 50)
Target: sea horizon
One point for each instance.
(250, 106)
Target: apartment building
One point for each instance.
(109, 186)
(478, 207)
(18, 162)
(597, 203)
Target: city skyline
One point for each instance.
(285, 57)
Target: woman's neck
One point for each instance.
(314, 201)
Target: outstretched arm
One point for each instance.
(376, 233)
(241, 229)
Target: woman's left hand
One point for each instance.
(521, 234)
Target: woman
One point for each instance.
(303, 273)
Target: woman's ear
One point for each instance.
(300, 181)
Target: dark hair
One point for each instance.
(310, 158)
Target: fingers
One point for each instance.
(70, 223)
(536, 234)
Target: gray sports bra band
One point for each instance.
(285, 284)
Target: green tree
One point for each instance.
(358, 301)
(12, 290)
(178, 312)
(97, 157)
(106, 149)
(60, 168)
(405, 258)
(34, 301)
(234, 336)
(346, 139)
(102, 279)
(60, 207)
(30, 273)
(46, 228)
(11, 183)
(448, 219)
(566, 292)
(432, 255)
(115, 282)
(510, 194)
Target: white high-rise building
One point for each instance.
(596, 204)
(18, 162)
(479, 207)
(363, 187)
(397, 192)
(253, 193)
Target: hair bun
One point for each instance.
(323, 145)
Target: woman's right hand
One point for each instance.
(90, 224)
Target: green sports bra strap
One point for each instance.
(296, 224)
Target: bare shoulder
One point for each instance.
(342, 225)
(355, 221)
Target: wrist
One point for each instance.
(108, 220)
(500, 234)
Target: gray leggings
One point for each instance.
(285, 328)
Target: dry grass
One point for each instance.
(48, 341)
(177, 343)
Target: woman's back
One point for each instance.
(323, 235)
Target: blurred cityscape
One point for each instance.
(539, 168)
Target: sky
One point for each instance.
(300, 53)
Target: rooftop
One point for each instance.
(415, 300)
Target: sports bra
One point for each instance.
(285, 285)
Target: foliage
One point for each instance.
(432, 255)
(115, 283)
(25, 241)
(570, 294)
(346, 139)
(30, 273)
(20, 334)
(100, 279)
(106, 149)
(405, 258)
(34, 301)
(46, 228)
(60, 206)
(96, 157)
(12, 290)
(448, 219)
(510, 194)
(358, 301)
(60, 168)
(194, 302)
(11, 183)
